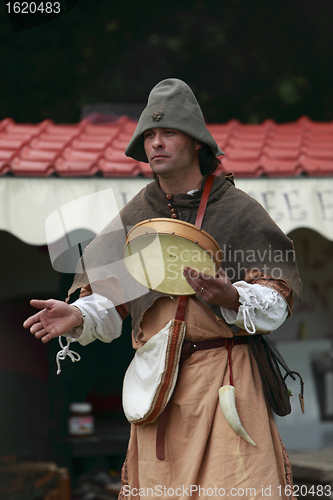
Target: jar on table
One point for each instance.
(81, 420)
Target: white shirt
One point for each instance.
(261, 310)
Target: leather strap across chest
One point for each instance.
(204, 201)
(198, 222)
(187, 348)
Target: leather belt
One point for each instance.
(190, 347)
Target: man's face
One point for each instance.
(169, 151)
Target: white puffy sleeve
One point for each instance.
(261, 309)
(101, 321)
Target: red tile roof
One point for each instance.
(86, 149)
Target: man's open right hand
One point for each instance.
(56, 318)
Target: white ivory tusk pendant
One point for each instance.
(228, 405)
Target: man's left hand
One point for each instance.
(216, 290)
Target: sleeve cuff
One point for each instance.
(102, 320)
(261, 309)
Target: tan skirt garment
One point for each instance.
(205, 458)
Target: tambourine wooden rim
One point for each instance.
(181, 229)
(175, 227)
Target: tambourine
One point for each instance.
(157, 250)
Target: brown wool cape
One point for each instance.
(246, 234)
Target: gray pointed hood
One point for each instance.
(171, 104)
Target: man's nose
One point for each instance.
(158, 141)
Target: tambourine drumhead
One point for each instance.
(157, 250)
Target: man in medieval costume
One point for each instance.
(195, 446)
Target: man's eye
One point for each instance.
(148, 135)
(169, 132)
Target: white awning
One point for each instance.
(26, 204)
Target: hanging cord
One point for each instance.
(229, 347)
(248, 321)
(65, 351)
(301, 394)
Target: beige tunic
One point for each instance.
(205, 458)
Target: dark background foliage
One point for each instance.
(244, 59)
